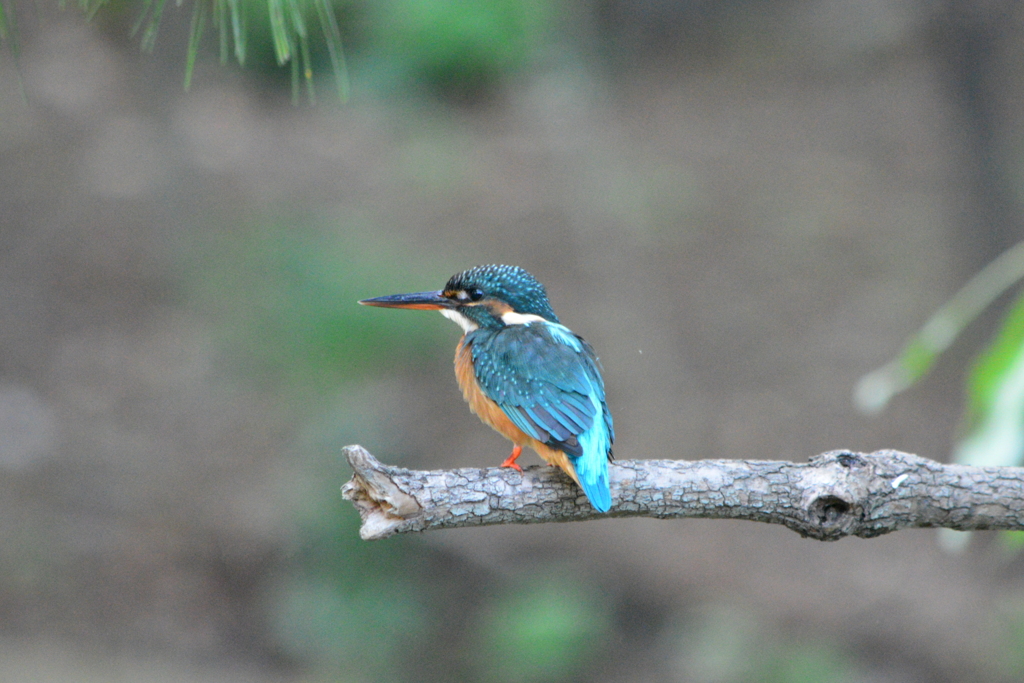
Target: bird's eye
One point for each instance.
(471, 294)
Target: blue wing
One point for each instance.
(548, 381)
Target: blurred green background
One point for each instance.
(744, 206)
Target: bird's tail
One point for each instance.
(592, 466)
(593, 478)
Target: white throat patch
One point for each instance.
(462, 321)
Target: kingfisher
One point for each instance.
(525, 374)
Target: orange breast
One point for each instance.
(492, 415)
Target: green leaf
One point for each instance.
(995, 394)
(875, 389)
(995, 363)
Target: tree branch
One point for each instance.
(836, 494)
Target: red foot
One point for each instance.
(510, 461)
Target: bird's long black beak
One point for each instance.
(431, 301)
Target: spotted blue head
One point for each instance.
(489, 296)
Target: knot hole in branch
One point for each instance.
(847, 459)
(830, 511)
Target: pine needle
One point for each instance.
(198, 25)
(238, 29)
(149, 35)
(279, 31)
(332, 36)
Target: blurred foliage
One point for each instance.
(724, 643)
(291, 25)
(719, 643)
(284, 295)
(460, 48)
(348, 601)
(994, 413)
(9, 35)
(995, 398)
(876, 389)
(1010, 656)
(809, 662)
(543, 631)
(1013, 541)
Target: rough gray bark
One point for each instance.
(836, 494)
